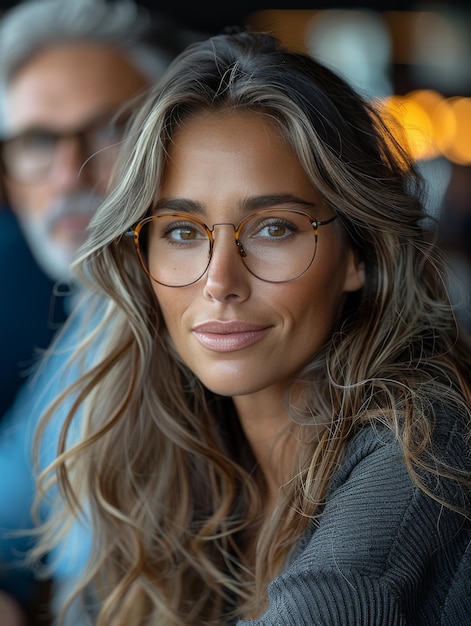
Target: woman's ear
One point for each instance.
(355, 271)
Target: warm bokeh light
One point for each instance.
(432, 125)
(416, 124)
(433, 44)
(456, 146)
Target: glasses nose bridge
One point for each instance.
(77, 136)
(212, 236)
(211, 230)
(71, 142)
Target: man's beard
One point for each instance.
(54, 255)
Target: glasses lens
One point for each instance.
(29, 155)
(278, 246)
(174, 249)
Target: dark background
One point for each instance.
(211, 16)
(214, 16)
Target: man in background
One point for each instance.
(67, 70)
(69, 74)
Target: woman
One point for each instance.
(274, 432)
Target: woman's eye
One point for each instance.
(275, 230)
(185, 234)
(177, 233)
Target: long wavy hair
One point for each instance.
(163, 468)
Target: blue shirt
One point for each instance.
(30, 313)
(17, 484)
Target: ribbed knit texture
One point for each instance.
(384, 553)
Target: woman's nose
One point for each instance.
(226, 276)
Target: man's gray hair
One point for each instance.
(149, 41)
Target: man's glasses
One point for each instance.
(29, 156)
(276, 246)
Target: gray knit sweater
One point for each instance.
(383, 552)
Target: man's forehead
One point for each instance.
(70, 84)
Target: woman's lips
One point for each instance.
(229, 336)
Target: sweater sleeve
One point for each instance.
(380, 554)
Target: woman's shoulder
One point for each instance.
(377, 450)
(378, 540)
(375, 511)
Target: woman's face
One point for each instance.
(239, 334)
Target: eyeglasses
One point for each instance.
(276, 246)
(29, 156)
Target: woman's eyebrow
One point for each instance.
(178, 205)
(268, 201)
